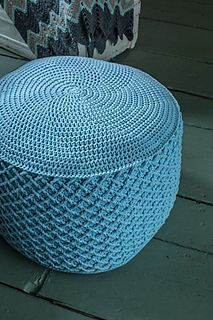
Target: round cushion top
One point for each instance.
(80, 117)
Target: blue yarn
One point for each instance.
(90, 158)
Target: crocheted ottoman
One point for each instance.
(90, 157)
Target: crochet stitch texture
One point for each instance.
(90, 158)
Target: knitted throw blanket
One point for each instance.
(55, 27)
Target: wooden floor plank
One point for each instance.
(162, 282)
(190, 225)
(16, 270)
(193, 13)
(196, 111)
(197, 165)
(173, 72)
(202, 2)
(176, 40)
(16, 305)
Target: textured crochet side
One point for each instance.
(89, 225)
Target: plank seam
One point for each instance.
(176, 23)
(200, 2)
(191, 93)
(166, 54)
(68, 307)
(195, 200)
(54, 302)
(185, 247)
(198, 127)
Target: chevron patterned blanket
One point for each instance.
(56, 27)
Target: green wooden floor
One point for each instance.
(172, 278)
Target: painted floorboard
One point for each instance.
(174, 72)
(182, 41)
(197, 166)
(162, 282)
(202, 2)
(193, 13)
(18, 271)
(196, 111)
(190, 225)
(15, 305)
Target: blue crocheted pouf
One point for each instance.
(90, 157)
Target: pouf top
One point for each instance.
(80, 117)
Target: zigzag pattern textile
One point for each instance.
(56, 27)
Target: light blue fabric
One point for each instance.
(90, 161)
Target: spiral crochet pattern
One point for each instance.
(90, 157)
